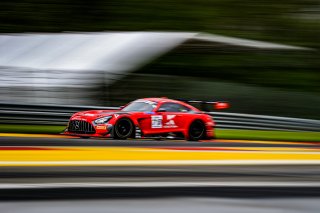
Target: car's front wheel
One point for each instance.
(123, 129)
(197, 131)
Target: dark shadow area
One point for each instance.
(163, 192)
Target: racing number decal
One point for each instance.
(156, 121)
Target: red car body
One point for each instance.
(143, 118)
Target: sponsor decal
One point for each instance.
(89, 114)
(170, 122)
(101, 127)
(170, 117)
(116, 115)
(146, 101)
(156, 121)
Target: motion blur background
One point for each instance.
(256, 81)
(58, 57)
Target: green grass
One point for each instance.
(39, 129)
(220, 134)
(268, 135)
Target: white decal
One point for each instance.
(150, 102)
(170, 117)
(89, 114)
(146, 101)
(170, 123)
(156, 121)
(116, 115)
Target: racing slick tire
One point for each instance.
(123, 129)
(197, 131)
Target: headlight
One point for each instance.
(102, 120)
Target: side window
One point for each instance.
(173, 107)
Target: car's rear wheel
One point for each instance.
(196, 131)
(123, 129)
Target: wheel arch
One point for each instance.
(186, 131)
(125, 117)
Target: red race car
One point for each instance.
(147, 117)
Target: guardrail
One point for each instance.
(263, 122)
(59, 115)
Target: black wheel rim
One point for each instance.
(124, 128)
(196, 130)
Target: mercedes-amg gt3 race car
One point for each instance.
(147, 117)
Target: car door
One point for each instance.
(168, 117)
(153, 123)
(171, 116)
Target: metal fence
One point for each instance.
(263, 122)
(59, 115)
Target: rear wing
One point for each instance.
(218, 105)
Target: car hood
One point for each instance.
(92, 115)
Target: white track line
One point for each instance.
(159, 162)
(155, 184)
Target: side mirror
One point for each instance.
(161, 110)
(221, 105)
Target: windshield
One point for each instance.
(140, 106)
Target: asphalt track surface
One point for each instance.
(61, 141)
(160, 205)
(66, 151)
(187, 188)
(158, 182)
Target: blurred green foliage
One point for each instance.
(296, 71)
(267, 135)
(292, 21)
(31, 129)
